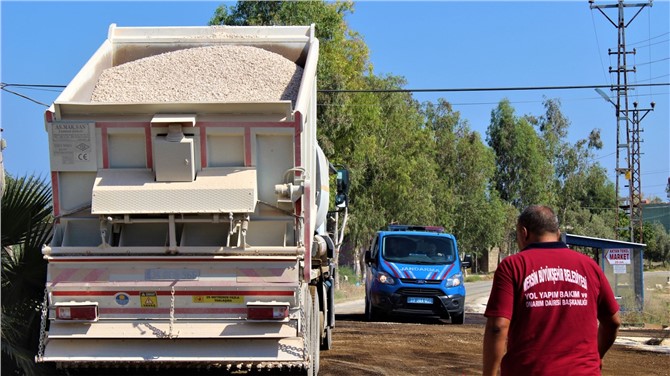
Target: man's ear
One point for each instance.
(524, 233)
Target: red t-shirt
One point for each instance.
(553, 297)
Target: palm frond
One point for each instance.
(26, 202)
(26, 227)
(18, 340)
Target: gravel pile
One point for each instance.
(223, 73)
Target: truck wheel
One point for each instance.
(327, 340)
(458, 318)
(308, 336)
(316, 332)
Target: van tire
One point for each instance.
(371, 313)
(458, 318)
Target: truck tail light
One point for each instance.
(78, 312)
(267, 311)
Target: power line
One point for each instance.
(424, 90)
(4, 87)
(649, 39)
(598, 44)
(510, 88)
(655, 61)
(459, 104)
(653, 78)
(34, 85)
(653, 44)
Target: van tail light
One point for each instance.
(267, 311)
(77, 312)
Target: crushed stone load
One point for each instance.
(223, 73)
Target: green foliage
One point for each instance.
(26, 226)
(657, 239)
(523, 170)
(347, 272)
(423, 164)
(465, 202)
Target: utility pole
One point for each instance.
(627, 124)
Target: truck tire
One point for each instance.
(315, 347)
(327, 339)
(458, 318)
(308, 335)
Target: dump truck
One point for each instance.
(194, 221)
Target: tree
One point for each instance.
(585, 198)
(26, 226)
(657, 239)
(464, 199)
(379, 137)
(524, 174)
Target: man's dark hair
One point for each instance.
(539, 219)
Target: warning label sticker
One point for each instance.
(148, 300)
(236, 299)
(72, 146)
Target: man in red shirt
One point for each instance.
(545, 305)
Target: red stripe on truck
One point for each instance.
(163, 259)
(247, 147)
(149, 146)
(104, 140)
(54, 193)
(179, 293)
(110, 311)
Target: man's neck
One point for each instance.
(544, 238)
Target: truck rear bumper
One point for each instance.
(90, 352)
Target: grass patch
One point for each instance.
(478, 277)
(351, 288)
(349, 291)
(473, 278)
(656, 310)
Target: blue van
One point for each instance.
(414, 270)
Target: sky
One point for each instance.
(433, 44)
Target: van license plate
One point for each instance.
(416, 300)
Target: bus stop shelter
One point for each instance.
(622, 263)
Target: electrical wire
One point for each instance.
(461, 104)
(652, 62)
(653, 78)
(511, 88)
(33, 85)
(420, 90)
(600, 56)
(653, 44)
(649, 39)
(3, 87)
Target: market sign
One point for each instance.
(618, 256)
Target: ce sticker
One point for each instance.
(82, 156)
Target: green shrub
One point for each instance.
(348, 272)
(473, 278)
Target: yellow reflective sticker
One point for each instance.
(148, 300)
(218, 299)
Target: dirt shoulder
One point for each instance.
(435, 347)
